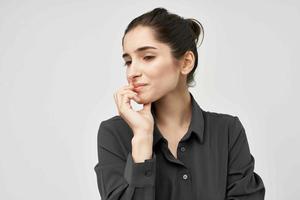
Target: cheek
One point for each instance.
(164, 75)
(162, 78)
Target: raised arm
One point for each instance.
(120, 178)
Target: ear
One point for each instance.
(187, 62)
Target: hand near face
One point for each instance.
(141, 122)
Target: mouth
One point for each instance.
(139, 87)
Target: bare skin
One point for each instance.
(166, 86)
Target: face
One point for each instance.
(154, 66)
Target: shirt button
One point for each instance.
(185, 176)
(148, 173)
(182, 149)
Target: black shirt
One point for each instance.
(213, 162)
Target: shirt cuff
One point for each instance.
(140, 174)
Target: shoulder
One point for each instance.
(219, 119)
(225, 128)
(114, 131)
(228, 125)
(114, 122)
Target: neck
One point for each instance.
(174, 109)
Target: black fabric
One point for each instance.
(213, 162)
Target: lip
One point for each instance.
(139, 84)
(139, 87)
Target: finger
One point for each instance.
(122, 92)
(123, 88)
(128, 91)
(127, 86)
(117, 103)
(121, 96)
(127, 96)
(125, 105)
(126, 109)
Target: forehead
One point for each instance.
(141, 36)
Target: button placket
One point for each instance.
(182, 149)
(185, 176)
(148, 172)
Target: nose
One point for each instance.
(132, 73)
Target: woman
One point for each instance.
(170, 149)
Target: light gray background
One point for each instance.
(60, 63)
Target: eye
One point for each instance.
(149, 57)
(146, 58)
(126, 63)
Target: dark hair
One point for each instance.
(181, 34)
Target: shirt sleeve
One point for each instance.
(242, 182)
(120, 178)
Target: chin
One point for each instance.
(143, 100)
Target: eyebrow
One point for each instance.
(139, 50)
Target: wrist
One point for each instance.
(142, 148)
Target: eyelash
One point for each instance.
(150, 57)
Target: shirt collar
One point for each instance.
(196, 126)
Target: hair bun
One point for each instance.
(197, 28)
(159, 10)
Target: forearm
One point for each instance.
(120, 179)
